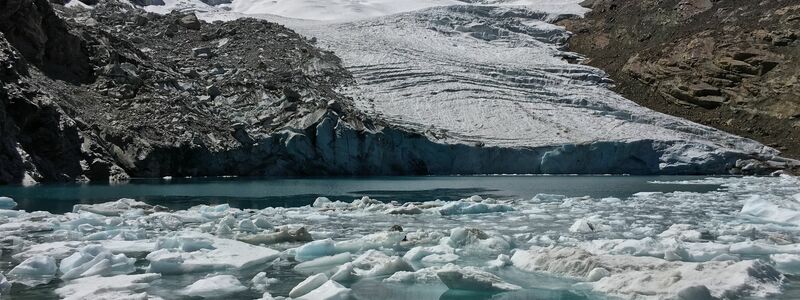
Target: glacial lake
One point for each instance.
(624, 212)
(258, 193)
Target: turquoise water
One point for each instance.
(257, 193)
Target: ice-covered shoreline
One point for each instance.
(725, 243)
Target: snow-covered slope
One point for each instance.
(492, 73)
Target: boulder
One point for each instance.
(190, 21)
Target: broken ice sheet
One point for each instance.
(587, 247)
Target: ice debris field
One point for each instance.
(740, 241)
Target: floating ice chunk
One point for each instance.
(214, 287)
(597, 274)
(5, 285)
(669, 249)
(23, 226)
(386, 239)
(34, 271)
(116, 208)
(440, 258)
(116, 287)
(501, 261)
(57, 250)
(261, 282)
(419, 252)
(11, 213)
(758, 248)
(226, 254)
(683, 232)
(223, 230)
(228, 221)
(7, 203)
(266, 296)
(315, 249)
(284, 235)
(374, 263)
(320, 202)
(409, 209)
(588, 225)
(461, 236)
(129, 248)
(95, 260)
(184, 243)
(328, 247)
(475, 241)
(330, 290)
(421, 276)
(308, 285)
(247, 226)
(262, 222)
(676, 254)
(539, 198)
(119, 234)
(475, 198)
(365, 202)
(324, 263)
(343, 273)
(630, 275)
(474, 279)
(203, 213)
(464, 208)
(786, 263)
(769, 208)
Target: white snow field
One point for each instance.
(739, 241)
(491, 74)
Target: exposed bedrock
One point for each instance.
(111, 92)
(732, 65)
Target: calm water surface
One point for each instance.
(181, 193)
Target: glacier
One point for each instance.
(476, 87)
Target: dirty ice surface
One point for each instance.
(739, 241)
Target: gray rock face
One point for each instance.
(113, 92)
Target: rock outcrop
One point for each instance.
(114, 92)
(733, 65)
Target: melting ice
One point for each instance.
(736, 242)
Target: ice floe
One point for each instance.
(7, 203)
(5, 285)
(330, 290)
(309, 284)
(109, 288)
(631, 275)
(208, 253)
(214, 287)
(261, 282)
(471, 278)
(95, 260)
(663, 245)
(34, 271)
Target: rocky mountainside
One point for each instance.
(732, 64)
(112, 92)
(108, 92)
